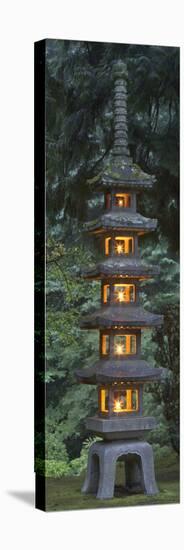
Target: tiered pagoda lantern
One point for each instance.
(120, 372)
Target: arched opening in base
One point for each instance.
(129, 475)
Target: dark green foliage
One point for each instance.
(67, 347)
(79, 123)
(78, 137)
(162, 346)
(167, 355)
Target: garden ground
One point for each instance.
(65, 493)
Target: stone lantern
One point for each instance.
(120, 373)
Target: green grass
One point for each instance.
(65, 493)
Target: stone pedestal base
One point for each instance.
(101, 471)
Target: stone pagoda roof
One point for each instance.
(114, 266)
(121, 174)
(115, 370)
(128, 221)
(116, 317)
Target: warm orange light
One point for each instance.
(126, 402)
(119, 349)
(107, 244)
(106, 289)
(124, 293)
(105, 344)
(122, 199)
(123, 245)
(125, 344)
(117, 406)
(128, 342)
(103, 400)
(121, 296)
(119, 248)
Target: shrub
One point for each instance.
(52, 468)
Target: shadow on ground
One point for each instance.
(27, 497)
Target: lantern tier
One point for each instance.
(114, 267)
(121, 317)
(111, 370)
(128, 221)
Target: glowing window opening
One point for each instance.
(124, 344)
(125, 401)
(107, 245)
(124, 245)
(104, 399)
(124, 293)
(105, 344)
(106, 294)
(122, 200)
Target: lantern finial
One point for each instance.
(120, 145)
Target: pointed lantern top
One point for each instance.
(118, 169)
(120, 145)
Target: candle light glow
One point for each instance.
(119, 349)
(117, 405)
(119, 248)
(121, 296)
